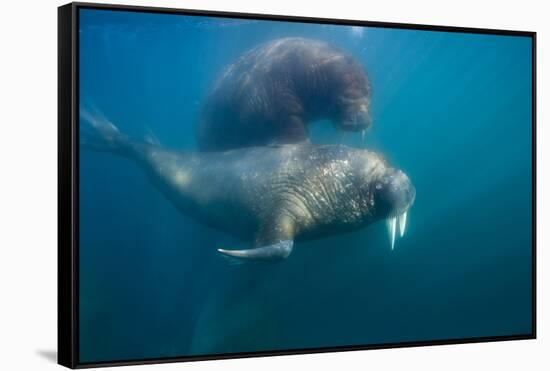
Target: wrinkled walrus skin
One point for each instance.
(273, 195)
(270, 94)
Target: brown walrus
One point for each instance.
(270, 94)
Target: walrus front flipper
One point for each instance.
(276, 251)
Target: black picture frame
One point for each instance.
(68, 182)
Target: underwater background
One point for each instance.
(452, 110)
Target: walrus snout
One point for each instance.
(394, 193)
(356, 115)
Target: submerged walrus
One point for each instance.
(273, 91)
(271, 196)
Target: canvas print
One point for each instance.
(252, 185)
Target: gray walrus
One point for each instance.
(273, 91)
(271, 196)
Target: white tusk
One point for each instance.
(363, 136)
(392, 224)
(402, 223)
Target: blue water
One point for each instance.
(452, 110)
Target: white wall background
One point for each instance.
(28, 155)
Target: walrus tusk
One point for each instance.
(277, 251)
(391, 224)
(402, 223)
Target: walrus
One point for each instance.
(271, 93)
(270, 196)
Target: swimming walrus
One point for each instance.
(273, 91)
(273, 195)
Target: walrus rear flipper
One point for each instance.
(99, 134)
(276, 251)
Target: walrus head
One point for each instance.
(393, 193)
(389, 193)
(349, 189)
(352, 106)
(354, 114)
